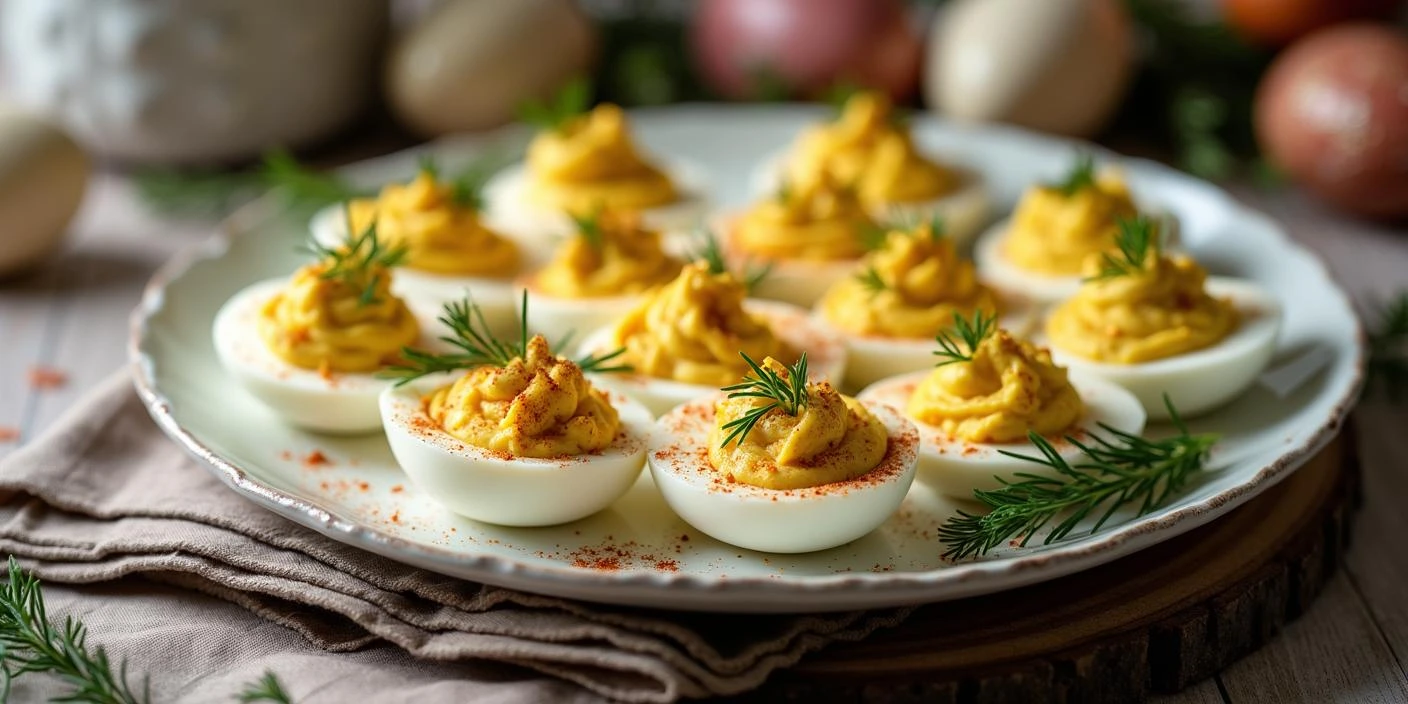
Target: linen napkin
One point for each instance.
(104, 494)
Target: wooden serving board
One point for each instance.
(1158, 620)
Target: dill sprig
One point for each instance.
(1388, 348)
(356, 262)
(711, 252)
(589, 228)
(1080, 177)
(1136, 237)
(787, 395)
(267, 689)
(477, 346)
(871, 280)
(30, 643)
(207, 193)
(466, 187)
(1118, 471)
(873, 235)
(969, 334)
(572, 100)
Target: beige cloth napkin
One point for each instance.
(105, 495)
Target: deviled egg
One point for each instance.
(589, 162)
(810, 234)
(901, 295)
(683, 341)
(1039, 252)
(783, 466)
(521, 439)
(869, 146)
(988, 394)
(449, 250)
(1155, 323)
(309, 347)
(598, 275)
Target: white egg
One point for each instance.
(497, 297)
(513, 491)
(870, 358)
(994, 268)
(563, 319)
(511, 210)
(800, 283)
(826, 357)
(1202, 380)
(956, 467)
(776, 520)
(343, 403)
(964, 211)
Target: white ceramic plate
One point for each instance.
(637, 552)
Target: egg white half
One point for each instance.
(496, 297)
(774, 520)
(511, 491)
(826, 357)
(342, 403)
(956, 468)
(964, 210)
(511, 210)
(562, 319)
(1202, 380)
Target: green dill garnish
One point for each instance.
(356, 262)
(267, 689)
(569, 102)
(1122, 470)
(1136, 237)
(873, 235)
(970, 334)
(787, 395)
(870, 279)
(589, 227)
(711, 252)
(784, 191)
(479, 347)
(1388, 348)
(1080, 177)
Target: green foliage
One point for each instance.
(970, 333)
(786, 395)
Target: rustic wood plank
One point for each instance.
(1332, 652)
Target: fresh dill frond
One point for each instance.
(589, 227)
(359, 260)
(969, 334)
(872, 235)
(267, 689)
(569, 102)
(784, 191)
(478, 346)
(710, 251)
(1116, 471)
(208, 193)
(871, 280)
(787, 395)
(1136, 237)
(1388, 349)
(1080, 177)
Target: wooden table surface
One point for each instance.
(71, 316)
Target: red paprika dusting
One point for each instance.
(8, 434)
(46, 378)
(316, 458)
(397, 488)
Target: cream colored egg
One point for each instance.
(1053, 65)
(339, 403)
(562, 320)
(773, 520)
(511, 209)
(958, 468)
(496, 297)
(43, 175)
(1203, 380)
(800, 283)
(513, 491)
(826, 357)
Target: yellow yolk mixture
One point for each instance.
(867, 149)
(693, 329)
(922, 283)
(327, 324)
(1009, 388)
(591, 163)
(832, 438)
(617, 257)
(1053, 233)
(538, 405)
(817, 220)
(441, 235)
(1159, 311)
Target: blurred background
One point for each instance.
(1312, 93)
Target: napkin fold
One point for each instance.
(105, 495)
